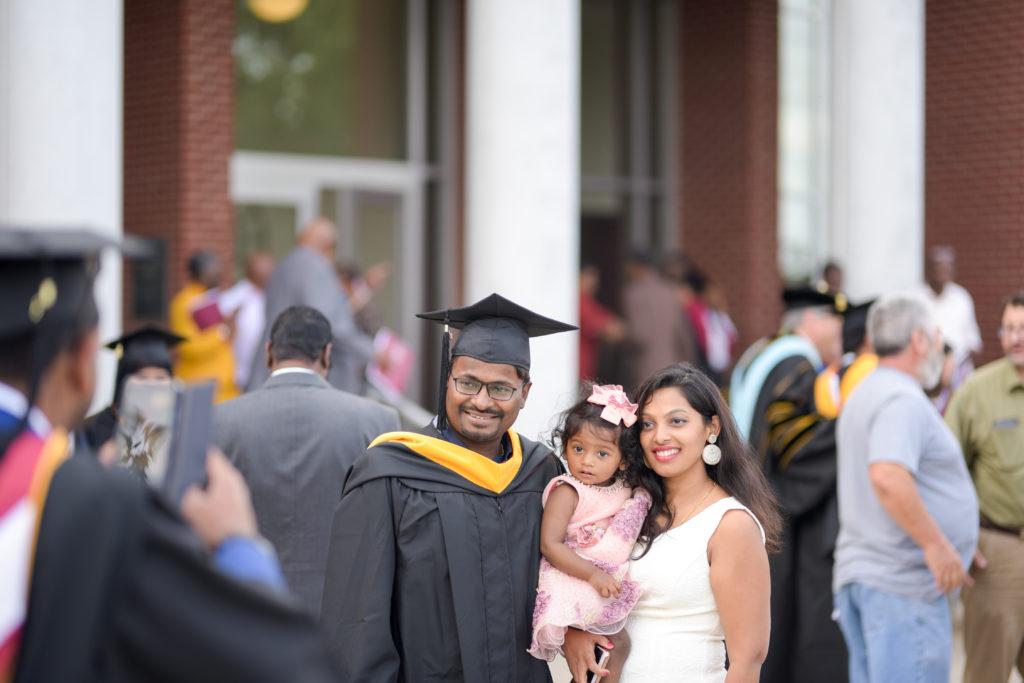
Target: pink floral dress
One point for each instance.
(603, 529)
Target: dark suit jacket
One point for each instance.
(294, 440)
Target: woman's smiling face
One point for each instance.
(672, 433)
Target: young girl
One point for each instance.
(591, 522)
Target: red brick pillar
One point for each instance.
(974, 147)
(729, 149)
(178, 130)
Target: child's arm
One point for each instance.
(557, 513)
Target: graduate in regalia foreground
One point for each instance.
(435, 546)
(103, 581)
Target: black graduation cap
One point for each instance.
(855, 326)
(809, 297)
(493, 330)
(46, 277)
(147, 347)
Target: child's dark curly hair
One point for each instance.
(583, 413)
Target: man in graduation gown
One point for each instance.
(432, 569)
(775, 406)
(105, 582)
(144, 354)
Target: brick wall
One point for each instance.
(974, 147)
(728, 173)
(178, 129)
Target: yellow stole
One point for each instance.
(470, 465)
(831, 394)
(55, 452)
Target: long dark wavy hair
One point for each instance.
(738, 472)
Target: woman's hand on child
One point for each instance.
(604, 584)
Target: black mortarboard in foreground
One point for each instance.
(493, 330)
(46, 277)
(855, 326)
(809, 297)
(147, 347)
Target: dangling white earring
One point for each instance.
(712, 454)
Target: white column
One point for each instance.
(60, 130)
(522, 177)
(878, 134)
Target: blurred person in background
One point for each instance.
(361, 287)
(144, 354)
(658, 331)
(247, 303)
(953, 375)
(954, 310)
(836, 382)
(294, 440)
(598, 325)
(797, 450)
(206, 353)
(105, 582)
(831, 280)
(307, 277)
(908, 513)
(986, 416)
(716, 334)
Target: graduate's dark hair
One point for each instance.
(299, 333)
(738, 472)
(580, 414)
(200, 261)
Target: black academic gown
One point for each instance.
(98, 429)
(122, 591)
(432, 578)
(798, 448)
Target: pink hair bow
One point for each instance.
(616, 405)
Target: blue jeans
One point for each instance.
(894, 638)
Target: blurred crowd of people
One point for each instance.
(884, 447)
(670, 312)
(226, 330)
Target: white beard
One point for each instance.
(930, 371)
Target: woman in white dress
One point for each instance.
(702, 558)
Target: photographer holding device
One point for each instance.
(107, 582)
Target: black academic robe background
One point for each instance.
(99, 429)
(431, 578)
(121, 591)
(799, 458)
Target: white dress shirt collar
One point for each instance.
(14, 403)
(292, 371)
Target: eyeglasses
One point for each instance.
(471, 387)
(1011, 332)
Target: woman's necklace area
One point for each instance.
(696, 505)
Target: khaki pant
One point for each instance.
(994, 610)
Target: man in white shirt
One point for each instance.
(953, 305)
(247, 302)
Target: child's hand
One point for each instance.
(604, 584)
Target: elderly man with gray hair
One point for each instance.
(908, 514)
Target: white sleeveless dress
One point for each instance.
(674, 629)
